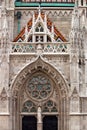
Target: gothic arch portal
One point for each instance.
(39, 88)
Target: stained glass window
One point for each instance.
(50, 106)
(39, 28)
(39, 87)
(29, 106)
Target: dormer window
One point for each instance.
(39, 28)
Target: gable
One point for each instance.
(31, 32)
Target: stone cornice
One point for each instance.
(78, 114)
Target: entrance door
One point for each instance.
(50, 123)
(29, 123)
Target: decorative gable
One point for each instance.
(40, 29)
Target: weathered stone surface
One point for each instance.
(39, 75)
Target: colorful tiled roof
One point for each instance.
(57, 33)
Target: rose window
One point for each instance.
(39, 87)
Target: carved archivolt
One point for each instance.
(42, 66)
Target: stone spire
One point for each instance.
(4, 49)
(26, 33)
(76, 3)
(74, 69)
(5, 28)
(4, 39)
(75, 18)
(4, 33)
(77, 47)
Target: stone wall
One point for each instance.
(4, 122)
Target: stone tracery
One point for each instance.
(39, 87)
(39, 64)
(29, 106)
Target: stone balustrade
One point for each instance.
(48, 48)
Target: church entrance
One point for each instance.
(40, 104)
(50, 123)
(29, 123)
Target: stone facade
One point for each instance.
(39, 74)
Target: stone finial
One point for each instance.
(45, 19)
(76, 3)
(26, 33)
(5, 24)
(75, 19)
(5, 32)
(33, 17)
(39, 9)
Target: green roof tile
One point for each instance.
(24, 4)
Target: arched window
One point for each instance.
(50, 106)
(39, 28)
(29, 106)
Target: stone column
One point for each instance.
(39, 119)
(14, 113)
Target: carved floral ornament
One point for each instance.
(42, 66)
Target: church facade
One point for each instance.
(43, 65)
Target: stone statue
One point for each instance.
(39, 115)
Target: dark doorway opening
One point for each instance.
(50, 123)
(29, 123)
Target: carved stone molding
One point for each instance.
(25, 12)
(60, 13)
(40, 65)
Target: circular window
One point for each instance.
(39, 87)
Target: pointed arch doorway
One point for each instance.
(50, 122)
(39, 103)
(29, 123)
(42, 87)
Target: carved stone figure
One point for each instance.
(39, 115)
